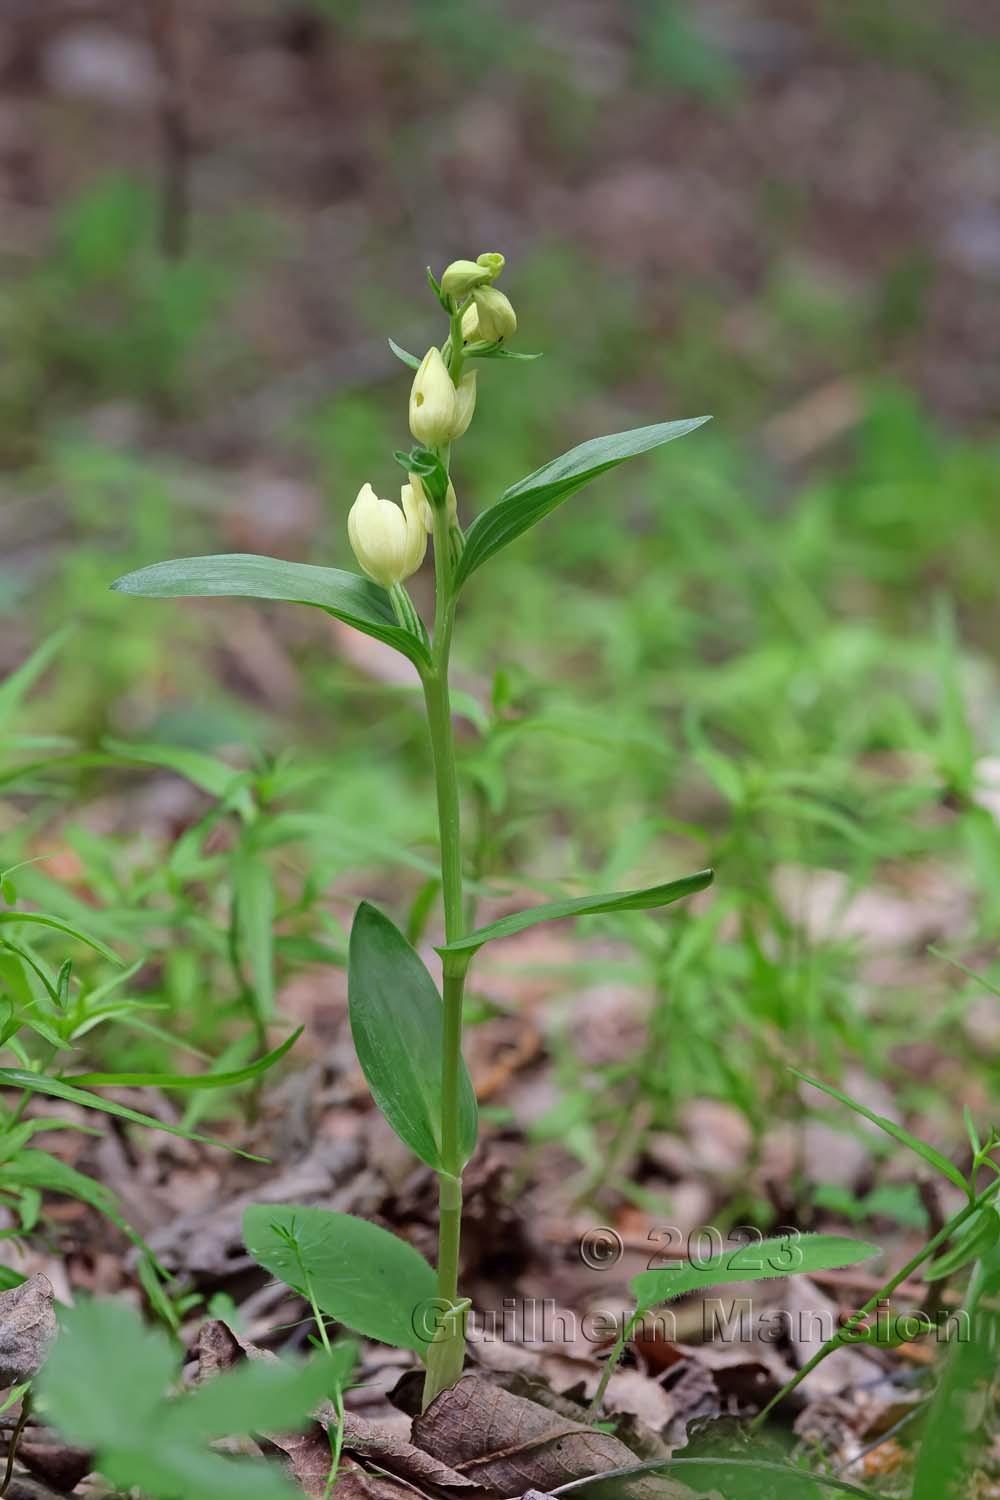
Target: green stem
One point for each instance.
(456, 357)
(594, 1409)
(15, 1438)
(446, 1369)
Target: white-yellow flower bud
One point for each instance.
(492, 261)
(465, 403)
(489, 316)
(470, 324)
(463, 276)
(416, 487)
(432, 401)
(388, 542)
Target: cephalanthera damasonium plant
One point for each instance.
(408, 1036)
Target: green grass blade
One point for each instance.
(45, 919)
(36, 1083)
(253, 917)
(749, 1467)
(15, 687)
(205, 771)
(921, 1148)
(581, 906)
(189, 1080)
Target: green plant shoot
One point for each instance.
(408, 1034)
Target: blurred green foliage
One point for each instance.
(773, 658)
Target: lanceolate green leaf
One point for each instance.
(404, 355)
(953, 1442)
(497, 351)
(784, 1255)
(37, 1083)
(921, 1148)
(360, 1275)
(15, 687)
(978, 1242)
(349, 597)
(396, 1022)
(189, 1080)
(253, 924)
(581, 906)
(31, 1168)
(804, 1485)
(531, 499)
(213, 776)
(45, 919)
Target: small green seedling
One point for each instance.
(408, 1035)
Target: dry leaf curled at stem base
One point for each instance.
(510, 1445)
(308, 1452)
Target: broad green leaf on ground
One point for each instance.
(253, 922)
(582, 906)
(921, 1148)
(528, 501)
(37, 1083)
(785, 1255)
(94, 1398)
(45, 919)
(360, 1275)
(243, 1400)
(349, 597)
(396, 1021)
(107, 1387)
(195, 1473)
(225, 1080)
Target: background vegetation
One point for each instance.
(769, 648)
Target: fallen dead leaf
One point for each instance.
(509, 1444)
(355, 1483)
(59, 1465)
(27, 1329)
(308, 1452)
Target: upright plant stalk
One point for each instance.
(445, 1368)
(407, 1030)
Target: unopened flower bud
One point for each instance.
(416, 489)
(493, 261)
(463, 276)
(465, 403)
(388, 542)
(470, 324)
(490, 316)
(432, 401)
